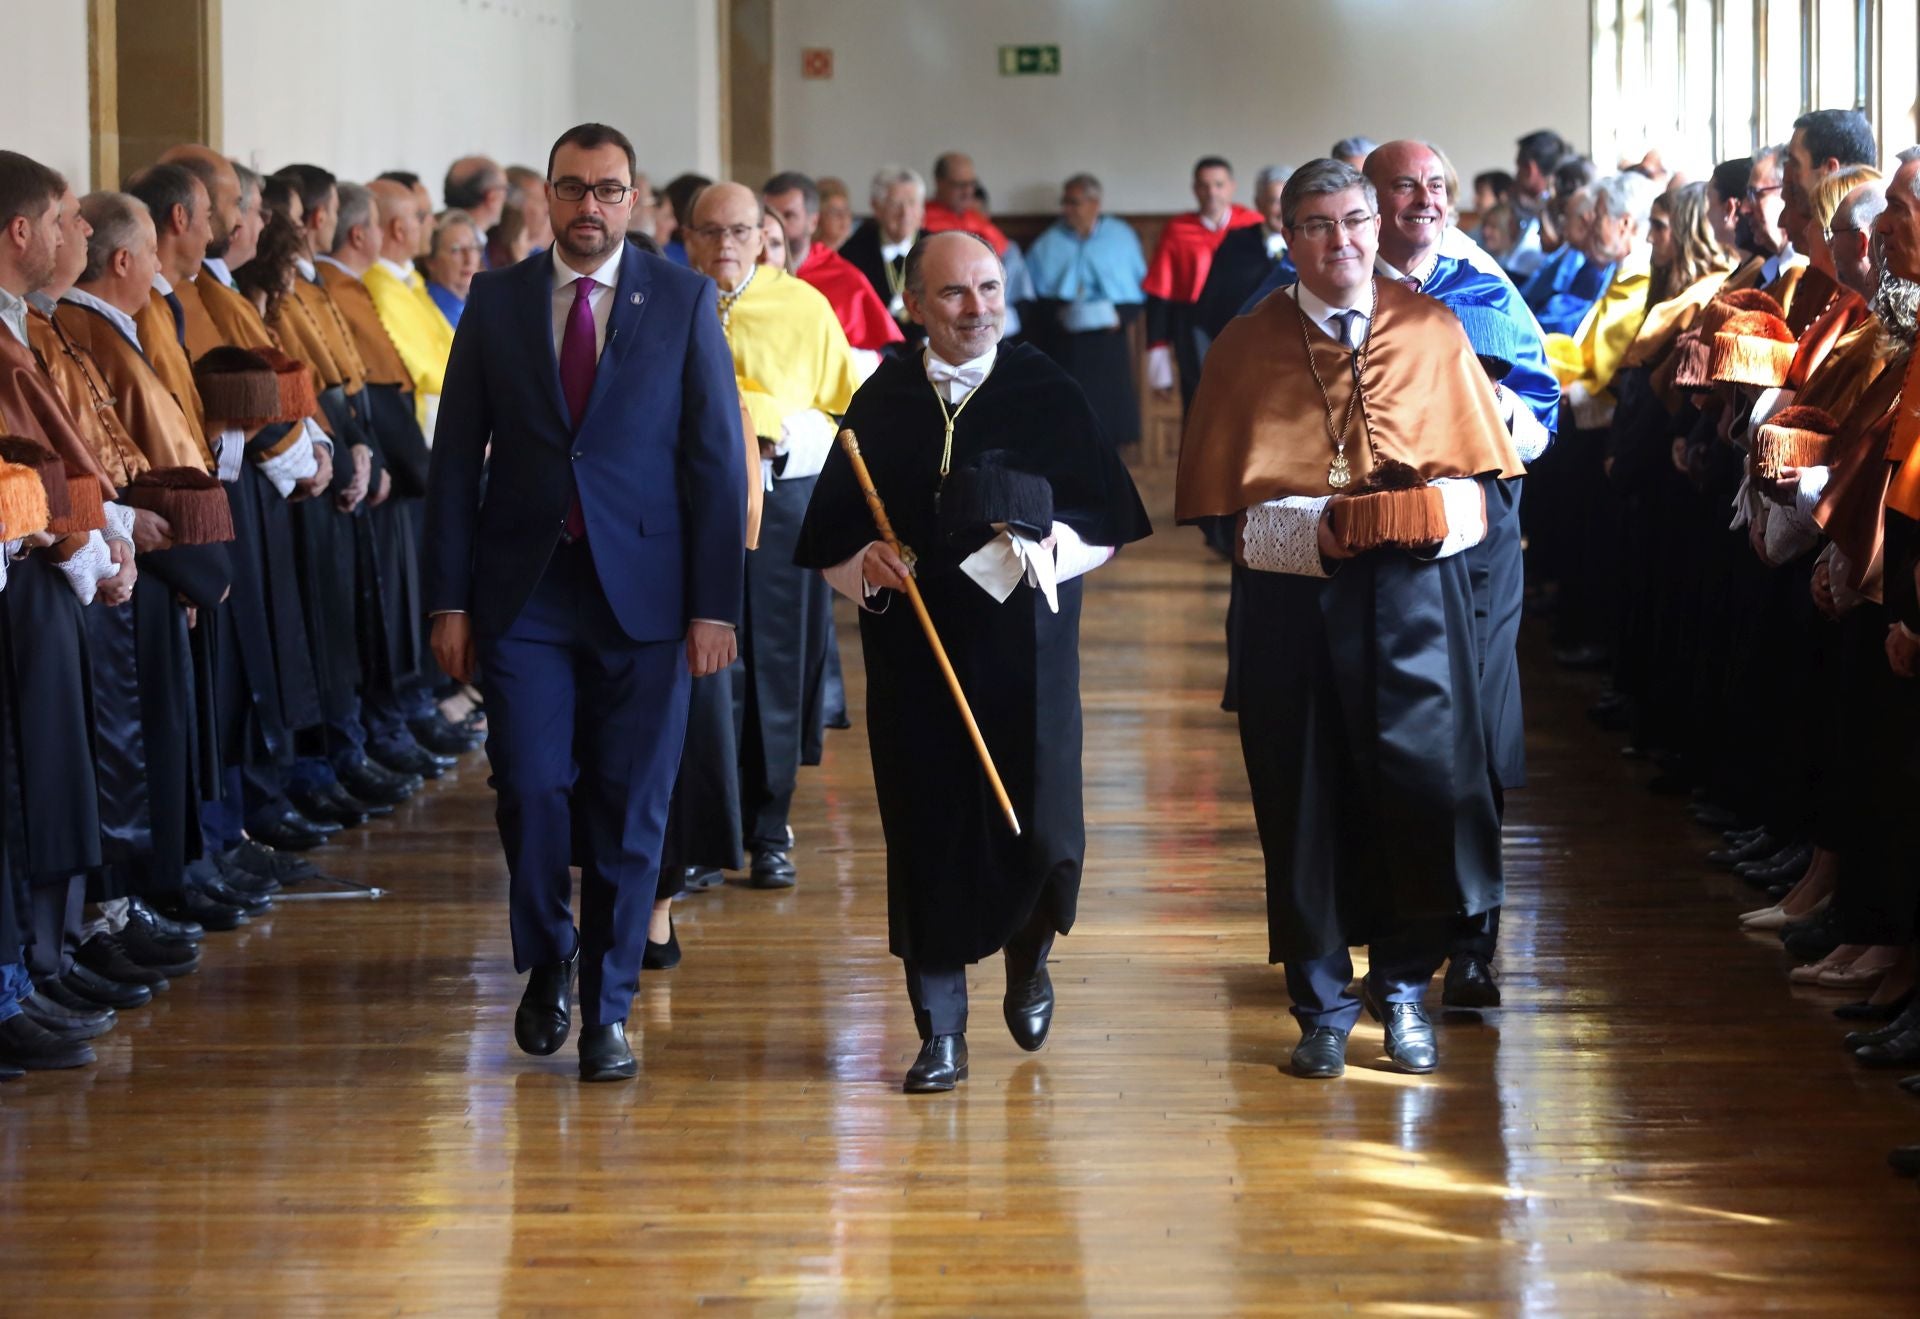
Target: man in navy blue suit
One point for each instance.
(584, 549)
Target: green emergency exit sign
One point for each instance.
(1023, 61)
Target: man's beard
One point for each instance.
(601, 245)
(217, 249)
(1897, 301)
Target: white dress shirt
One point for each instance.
(607, 277)
(221, 272)
(13, 314)
(1283, 535)
(119, 319)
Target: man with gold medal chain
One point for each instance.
(1348, 425)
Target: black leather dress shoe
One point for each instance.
(167, 956)
(773, 869)
(699, 880)
(1470, 984)
(1911, 1084)
(604, 1055)
(1785, 866)
(1905, 1160)
(545, 1015)
(375, 784)
(56, 990)
(1816, 939)
(289, 831)
(442, 738)
(257, 858)
(1028, 1007)
(1410, 1042)
(1867, 1010)
(1754, 848)
(1903, 1022)
(27, 1045)
(321, 806)
(941, 1066)
(92, 987)
(244, 882)
(1902, 1050)
(104, 954)
(67, 1023)
(190, 904)
(662, 956)
(160, 927)
(1321, 1054)
(414, 759)
(212, 882)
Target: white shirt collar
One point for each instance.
(894, 251)
(1276, 244)
(218, 266)
(307, 269)
(121, 321)
(607, 276)
(335, 262)
(1213, 226)
(161, 282)
(1420, 274)
(962, 378)
(1322, 312)
(402, 273)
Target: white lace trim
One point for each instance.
(1283, 535)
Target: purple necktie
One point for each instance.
(579, 359)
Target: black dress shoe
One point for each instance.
(27, 1045)
(773, 869)
(1321, 1054)
(1911, 1084)
(1902, 1050)
(1789, 862)
(442, 738)
(545, 1015)
(61, 990)
(1740, 837)
(413, 759)
(376, 785)
(323, 805)
(257, 858)
(244, 882)
(1905, 1160)
(697, 879)
(1903, 1022)
(1410, 1043)
(1867, 1010)
(208, 879)
(167, 956)
(1755, 848)
(1470, 984)
(1816, 939)
(1028, 1007)
(604, 1055)
(67, 1023)
(941, 1066)
(1718, 818)
(104, 954)
(662, 956)
(289, 831)
(160, 927)
(190, 904)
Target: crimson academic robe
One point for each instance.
(1176, 277)
(959, 883)
(861, 312)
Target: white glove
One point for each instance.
(1160, 366)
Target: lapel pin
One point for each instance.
(636, 298)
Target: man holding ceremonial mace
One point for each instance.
(995, 476)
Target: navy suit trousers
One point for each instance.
(582, 721)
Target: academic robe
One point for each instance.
(862, 251)
(1087, 292)
(1359, 695)
(1241, 264)
(789, 356)
(862, 312)
(1176, 277)
(419, 333)
(1590, 358)
(959, 883)
(941, 218)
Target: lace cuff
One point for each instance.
(1283, 535)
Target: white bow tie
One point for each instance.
(967, 377)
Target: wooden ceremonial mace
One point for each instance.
(852, 445)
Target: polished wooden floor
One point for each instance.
(331, 1116)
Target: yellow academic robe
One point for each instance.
(1592, 357)
(789, 352)
(419, 332)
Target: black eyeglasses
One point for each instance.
(607, 194)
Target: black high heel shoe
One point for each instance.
(662, 956)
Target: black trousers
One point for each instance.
(54, 912)
(939, 993)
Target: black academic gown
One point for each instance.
(1240, 265)
(959, 883)
(46, 651)
(1360, 722)
(862, 248)
(329, 554)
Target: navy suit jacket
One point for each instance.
(659, 458)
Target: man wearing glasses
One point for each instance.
(956, 202)
(1360, 667)
(590, 397)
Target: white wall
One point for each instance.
(1146, 86)
(420, 83)
(46, 85)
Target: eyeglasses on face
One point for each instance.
(1758, 194)
(607, 194)
(1319, 228)
(714, 233)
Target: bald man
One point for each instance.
(478, 186)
